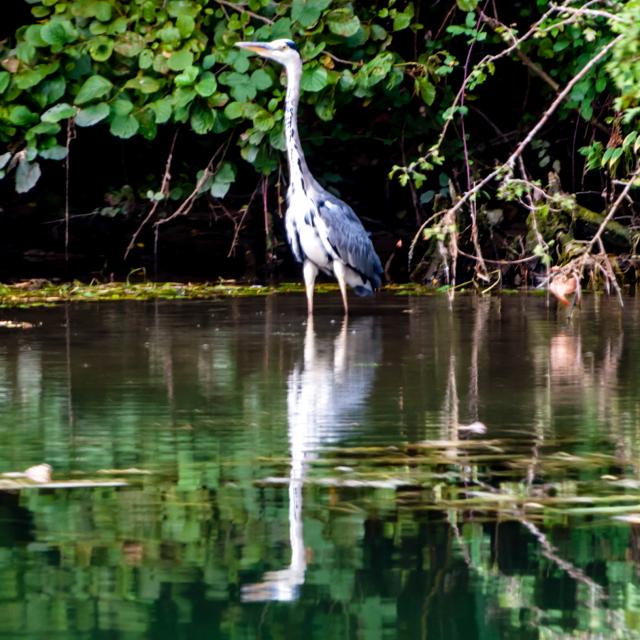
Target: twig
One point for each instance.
(186, 205)
(614, 207)
(534, 131)
(508, 164)
(241, 9)
(71, 134)
(236, 231)
(164, 189)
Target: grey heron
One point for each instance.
(323, 231)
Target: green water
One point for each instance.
(287, 480)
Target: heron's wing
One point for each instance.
(347, 238)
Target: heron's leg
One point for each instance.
(341, 276)
(310, 271)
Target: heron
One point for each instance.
(323, 232)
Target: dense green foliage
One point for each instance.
(394, 89)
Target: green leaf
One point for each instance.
(94, 87)
(263, 120)
(145, 59)
(92, 114)
(208, 61)
(27, 174)
(314, 79)
(202, 119)
(343, 23)
(124, 126)
(308, 12)
(426, 90)
(122, 107)
(325, 108)
(241, 87)
(207, 85)
(5, 78)
(467, 5)
(101, 10)
(28, 78)
(130, 44)
(261, 80)
(223, 179)
(185, 24)
(177, 8)
(33, 37)
(21, 115)
(58, 112)
(180, 60)
(50, 91)
(187, 77)
(100, 48)
(58, 32)
(234, 110)
(402, 19)
(162, 110)
(53, 153)
(144, 84)
(4, 159)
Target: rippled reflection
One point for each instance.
(318, 479)
(326, 393)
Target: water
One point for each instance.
(288, 480)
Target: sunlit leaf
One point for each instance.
(92, 114)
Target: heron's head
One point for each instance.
(283, 51)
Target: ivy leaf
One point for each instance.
(144, 84)
(27, 174)
(56, 152)
(185, 24)
(180, 60)
(94, 87)
(241, 86)
(234, 110)
(162, 110)
(207, 85)
(402, 19)
(263, 120)
(202, 119)
(187, 77)
(130, 44)
(325, 108)
(50, 91)
(21, 115)
(314, 79)
(122, 107)
(101, 10)
(29, 78)
(343, 23)
(308, 12)
(5, 78)
(124, 126)
(100, 49)
(426, 89)
(92, 114)
(58, 112)
(261, 80)
(223, 180)
(58, 32)
(467, 5)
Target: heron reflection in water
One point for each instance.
(327, 393)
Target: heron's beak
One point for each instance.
(261, 48)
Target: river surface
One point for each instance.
(430, 469)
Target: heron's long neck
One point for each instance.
(298, 170)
